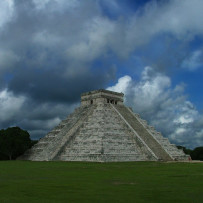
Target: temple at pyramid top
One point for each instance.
(103, 129)
(101, 96)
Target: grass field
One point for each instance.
(23, 181)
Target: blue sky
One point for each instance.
(51, 51)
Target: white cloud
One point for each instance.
(186, 113)
(58, 4)
(10, 105)
(182, 19)
(122, 84)
(184, 119)
(87, 34)
(96, 36)
(46, 38)
(163, 106)
(6, 11)
(90, 34)
(180, 130)
(194, 61)
(40, 4)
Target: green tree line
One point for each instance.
(195, 154)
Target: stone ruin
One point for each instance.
(103, 129)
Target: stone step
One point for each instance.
(104, 158)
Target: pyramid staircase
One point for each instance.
(161, 146)
(104, 130)
(104, 137)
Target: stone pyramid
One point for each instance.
(103, 129)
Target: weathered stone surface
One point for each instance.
(104, 130)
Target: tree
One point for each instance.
(197, 153)
(13, 142)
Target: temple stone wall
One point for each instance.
(101, 96)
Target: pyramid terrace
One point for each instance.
(103, 129)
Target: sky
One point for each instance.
(51, 51)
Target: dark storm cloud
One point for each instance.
(52, 86)
(40, 83)
(39, 40)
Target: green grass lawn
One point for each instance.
(24, 181)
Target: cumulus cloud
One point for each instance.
(122, 84)
(37, 118)
(164, 107)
